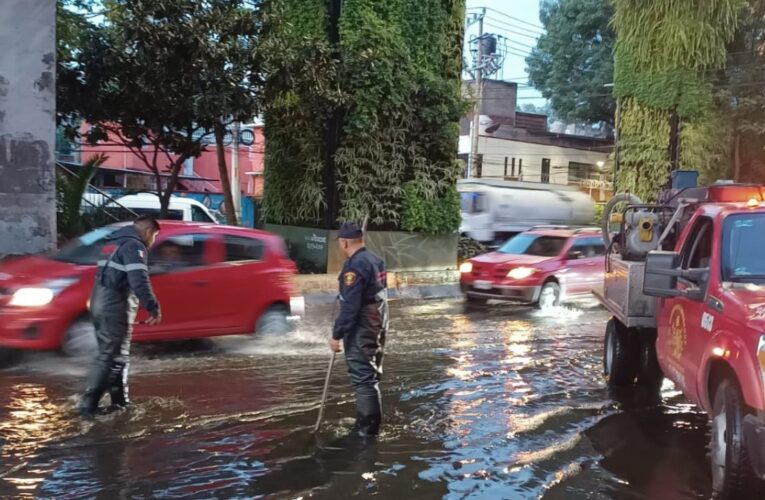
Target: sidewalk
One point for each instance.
(323, 288)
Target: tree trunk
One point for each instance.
(225, 183)
(172, 182)
(160, 194)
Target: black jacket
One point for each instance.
(361, 281)
(126, 268)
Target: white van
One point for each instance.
(186, 209)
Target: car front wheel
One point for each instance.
(7, 356)
(80, 339)
(732, 473)
(549, 296)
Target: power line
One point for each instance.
(536, 26)
(495, 26)
(515, 28)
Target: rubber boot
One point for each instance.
(368, 413)
(88, 404)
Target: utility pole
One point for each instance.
(236, 186)
(473, 159)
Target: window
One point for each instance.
(89, 248)
(520, 167)
(242, 248)
(199, 215)
(505, 166)
(171, 214)
(743, 237)
(472, 203)
(179, 251)
(479, 166)
(589, 247)
(697, 251)
(545, 170)
(513, 168)
(533, 244)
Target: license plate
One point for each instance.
(482, 285)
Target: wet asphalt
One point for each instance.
(492, 402)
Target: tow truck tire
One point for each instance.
(650, 375)
(732, 473)
(273, 322)
(621, 355)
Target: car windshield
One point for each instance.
(534, 244)
(743, 239)
(87, 249)
(472, 203)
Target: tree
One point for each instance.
(573, 60)
(70, 189)
(154, 77)
(740, 91)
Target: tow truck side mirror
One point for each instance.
(661, 273)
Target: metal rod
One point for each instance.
(325, 393)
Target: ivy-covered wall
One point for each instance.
(393, 81)
(666, 53)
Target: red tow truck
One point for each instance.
(685, 282)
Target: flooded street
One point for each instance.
(496, 402)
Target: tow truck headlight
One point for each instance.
(466, 267)
(41, 295)
(520, 273)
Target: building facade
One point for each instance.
(514, 145)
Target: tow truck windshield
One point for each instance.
(534, 244)
(743, 240)
(87, 249)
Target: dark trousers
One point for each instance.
(365, 377)
(113, 315)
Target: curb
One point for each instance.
(415, 292)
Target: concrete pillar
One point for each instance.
(27, 126)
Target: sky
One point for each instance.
(517, 21)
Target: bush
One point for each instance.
(469, 248)
(435, 216)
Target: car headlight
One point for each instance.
(520, 273)
(41, 295)
(466, 267)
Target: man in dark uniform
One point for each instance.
(362, 325)
(122, 281)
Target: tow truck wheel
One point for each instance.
(549, 296)
(80, 339)
(732, 473)
(649, 375)
(620, 355)
(273, 322)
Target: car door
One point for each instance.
(681, 321)
(183, 277)
(249, 279)
(595, 266)
(576, 271)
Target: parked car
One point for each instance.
(210, 280)
(180, 208)
(543, 267)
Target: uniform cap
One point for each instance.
(350, 231)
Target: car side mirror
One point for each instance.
(661, 273)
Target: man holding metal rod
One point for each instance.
(362, 325)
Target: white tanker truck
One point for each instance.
(495, 210)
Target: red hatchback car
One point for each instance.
(210, 280)
(541, 267)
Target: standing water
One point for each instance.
(496, 402)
